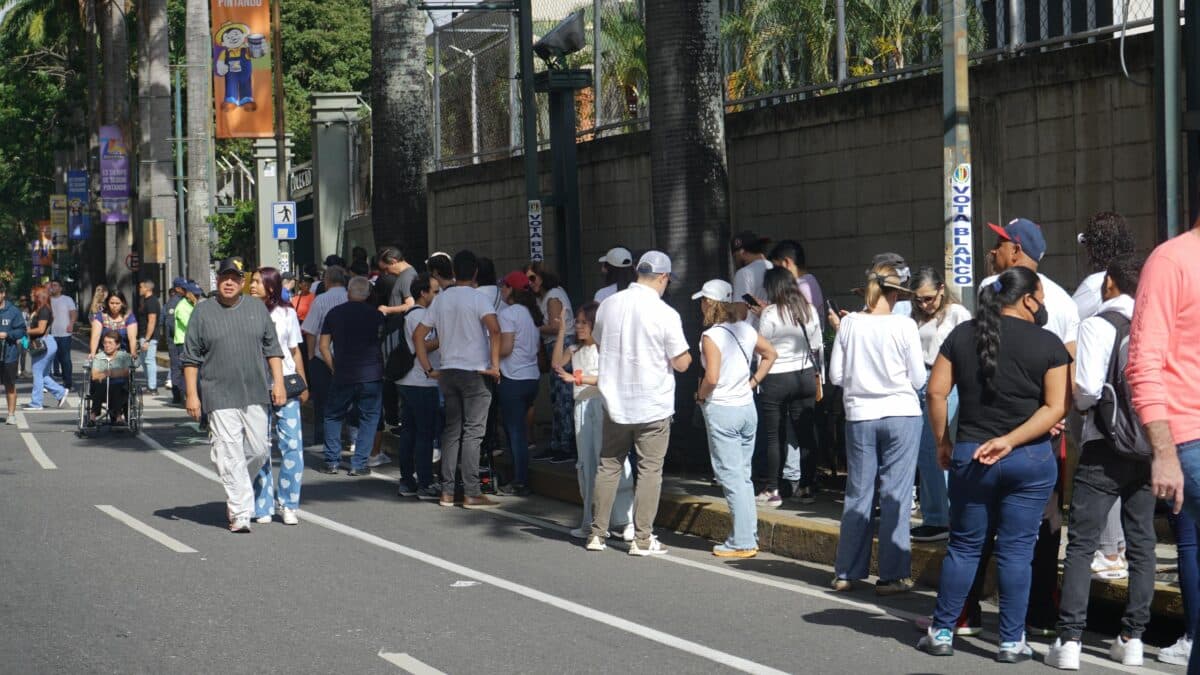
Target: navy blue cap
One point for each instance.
(193, 288)
(179, 282)
(1026, 233)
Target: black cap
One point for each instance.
(287, 276)
(233, 264)
(748, 241)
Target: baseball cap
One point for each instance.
(179, 282)
(517, 280)
(1025, 233)
(747, 240)
(655, 262)
(618, 257)
(192, 287)
(233, 264)
(715, 289)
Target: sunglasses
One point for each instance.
(925, 299)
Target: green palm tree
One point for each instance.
(784, 44)
(623, 57)
(888, 34)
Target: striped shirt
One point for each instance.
(230, 346)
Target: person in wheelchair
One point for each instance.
(110, 373)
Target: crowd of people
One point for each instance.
(969, 415)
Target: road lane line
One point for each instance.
(22, 423)
(639, 630)
(139, 526)
(409, 664)
(35, 449)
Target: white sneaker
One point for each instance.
(1064, 655)
(653, 548)
(263, 520)
(581, 532)
(289, 517)
(1127, 652)
(437, 455)
(627, 532)
(239, 526)
(11, 419)
(1105, 569)
(378, 460)
(595, 543)
(1178, 653)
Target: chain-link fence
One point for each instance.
(771, 51)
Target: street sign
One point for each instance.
(283, 220)
(226, 209)
(536, 240)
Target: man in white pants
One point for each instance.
(229, 343)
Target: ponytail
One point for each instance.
(1008, 289)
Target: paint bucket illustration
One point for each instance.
(257, 44)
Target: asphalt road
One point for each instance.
(117, 560)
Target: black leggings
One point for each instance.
(101, 393)
(784, 398)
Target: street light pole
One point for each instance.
(284, 252)
(529, 108)
(956, 149)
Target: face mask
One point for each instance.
(1041, 316)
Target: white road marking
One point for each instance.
(35, 449)
(22, 423)
(639, 630)
(409, 664)
(139, 526)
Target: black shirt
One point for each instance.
(354, 331)
(146, 307)
(1027, 352)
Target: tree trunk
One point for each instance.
(402, 143)
(156, 150)
(114, 50)
(689, 177)
(91, 265)
(199, 134)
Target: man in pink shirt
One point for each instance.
(1164, 366)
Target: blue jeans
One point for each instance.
(149, 359)
(1184, 529)
(368, 397)
(516, 398)
(935, 498)
(287, 442)
(731, 433)
(883, 449)
(1189, 458)
(418, 424)
(41, 375)
(63, 358)
(589, 438)
(1008, 498)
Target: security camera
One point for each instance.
(564, 39)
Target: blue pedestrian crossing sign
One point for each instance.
(283, 220)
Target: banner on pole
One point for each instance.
(960, 257)
(79, 220)
(114, 176)
(58, 221)
(536, 234)
(242, 69)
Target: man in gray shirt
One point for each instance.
(229, 343)
(319, 377)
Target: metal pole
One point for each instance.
(514, 71)
(956, 149)
(528, 102)
(597, 102)
(437, 97)
(474, 109)
(1191, 46)
(1167, 127)
(180, 181)
(1016, 25)
(280, 129)
(840, 10)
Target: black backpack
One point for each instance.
(398, 360)
(1114, 415)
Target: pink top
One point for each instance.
(1164, 362)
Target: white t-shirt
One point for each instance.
(736, 343)
(559, 294)
(585, 359)
(492, 295)
(522, 362)
(878, 362)
(457, 314)
(749, 279)
(1090, 295)
(417, 377)
(935, 331)
(791, 342)
(287, 329)
(1062, 310)
(605, 293)
(638, 334)
(61, 307)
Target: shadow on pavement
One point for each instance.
(212, 513)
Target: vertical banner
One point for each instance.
(960, 257)
(79, 220)
(58, 221)
(114, 176)
(242, 69)
(42, 252)
(536, 239)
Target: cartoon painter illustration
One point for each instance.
(236, 46)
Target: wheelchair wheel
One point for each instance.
(81, 430)
(135, 409)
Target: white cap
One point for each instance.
(618, 257)
(655, 262)
(716, 289)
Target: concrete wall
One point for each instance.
(1055, 137)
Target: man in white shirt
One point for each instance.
(64, 315)
(641, 342)
(461, 316)
(750, 258)
(1106, 238)
(319, 377)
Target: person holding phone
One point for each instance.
(750, 259)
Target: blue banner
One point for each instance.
(79, 219)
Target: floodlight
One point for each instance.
(564, 39)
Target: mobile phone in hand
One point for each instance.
(750, 300)
(832, 307)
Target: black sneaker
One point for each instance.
(328, 468)
(408, 488)
(518, 490)
(365, 471)
(806, 495)
(562, 458)
(930, 533)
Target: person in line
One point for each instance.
(320, 378)
(147, 314)
(183, 316)
(1012, 380)
(489, 287)
(231, 345)
(877, 361)
(110, 380)
(1164, 367)
(174, 293)
(99, 296)
(22, 353)
(287, 286)
(1188, 563)
(553, 301)
(584, 359)
(461, 316)
(787, 394)
(419, 402)
(1106, 475)
(287, 437)
(789, 254)
(642, 345)
(393, 298)
(519, 373)
(12, 329)
(441, 267)
(65, 314)
(115, 317)
(726, 396)
(302, 299)
(937, 312)
(38, 332)
(350, 349)
(617, 268)
(750, 260)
